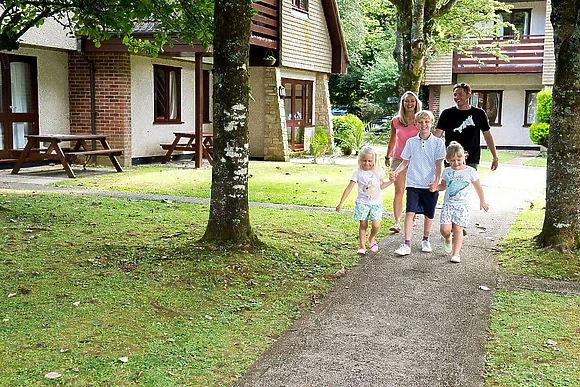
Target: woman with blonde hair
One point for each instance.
(402, 128)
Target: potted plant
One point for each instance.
(270, 60)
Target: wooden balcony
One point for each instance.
(527, 56)
(265, 24)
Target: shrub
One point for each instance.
(346, 129)
(540, 130)
(318, 143)
(544, 106)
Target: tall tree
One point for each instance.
(188, 20)
(561, 228)
(229, 211)
(425, 27)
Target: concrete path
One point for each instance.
(405, 321)
(393, 321)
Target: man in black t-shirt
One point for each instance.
(462, 123)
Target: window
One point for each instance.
(298, 109)
(520, 18)
(531, 107)
(300, 4)
(167, 94)
(491, 102)
(18, 102)
(206, 99)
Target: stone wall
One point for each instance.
(275, 134)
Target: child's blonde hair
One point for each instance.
(401, 115)
(369, 150)
(423, 114)
(454, 149)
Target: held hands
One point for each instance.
(434, 186)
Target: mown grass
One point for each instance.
(189, 314)
(281, 183)
(534, 337)
(88, 280)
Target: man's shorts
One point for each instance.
(368, 211)
(422, 201)
(456, 214)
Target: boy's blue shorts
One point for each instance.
(422, 201)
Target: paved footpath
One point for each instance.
(405, 321)
(395, 321)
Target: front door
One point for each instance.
(18, 102)
(298, 110)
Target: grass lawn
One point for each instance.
(534, 337)
(113, 278)
(107, 279)
(269, 182)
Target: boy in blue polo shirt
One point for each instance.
(423, 157)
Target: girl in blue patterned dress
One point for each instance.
(456, 181)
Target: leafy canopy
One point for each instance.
(188, 20)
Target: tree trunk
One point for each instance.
(229, 218)
(561, 228)
(409, 44)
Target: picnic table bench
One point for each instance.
(189, 145)
(79, 146)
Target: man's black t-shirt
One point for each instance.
(463, 126)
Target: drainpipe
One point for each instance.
(80, 42)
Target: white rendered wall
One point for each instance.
(147, 136)
(512, 131)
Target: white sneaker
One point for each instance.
(456, 259)
(426, 247)
(447, 246)
(403, 250)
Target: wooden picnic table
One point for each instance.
(189, 145)
(79, 146)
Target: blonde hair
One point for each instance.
(423, 114)
(455, 149)
(401, 115)
(369, 150)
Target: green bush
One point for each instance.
(318, 143)
(544, 111)
(346, 129)
(540, 130)
(539, 133)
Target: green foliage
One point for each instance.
(189, 20)
(539, 131)
(318, 143)
(544, 111)
(372, 71)
(348, 133)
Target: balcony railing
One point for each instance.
(527, 56)
(265, 24)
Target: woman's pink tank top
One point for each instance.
(403, 134)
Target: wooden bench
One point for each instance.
(66, 155)
(189, 146)
(98, 152)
